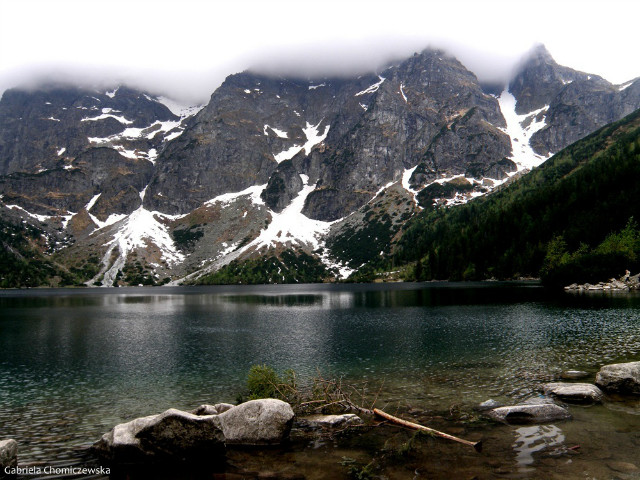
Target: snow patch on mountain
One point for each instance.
(107, 115)
(625, 86)
(523, 154)
(373, 88)
(179, 109)
(314, 137)
(278, 132)
(291, 225)
(138, 230)
(227, 199)
(406, 176)
(40, 218)
(402, 93)
(92, 202)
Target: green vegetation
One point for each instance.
(264, 382)
(134, 273)
(317, 394)
(358, 246)
(581, 195)
(616, 253)
(22, 263)
(290, 267)
(186, 237)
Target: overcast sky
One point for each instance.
(186, 48)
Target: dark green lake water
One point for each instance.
(73, 363)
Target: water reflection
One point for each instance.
(105, 356)
(538, 438)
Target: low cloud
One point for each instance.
(310, 60)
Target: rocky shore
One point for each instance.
(212, 431)
(624, 284)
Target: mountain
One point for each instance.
(575, 199)
(322, 173)
(573, 103)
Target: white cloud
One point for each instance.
(187, 47)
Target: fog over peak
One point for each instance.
(186, 49)
(310, 60)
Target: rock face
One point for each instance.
(620, 378)
(257, 422)
(574, 392)
(8, 455)
(575, 103)
(175, 433)
(523, 414)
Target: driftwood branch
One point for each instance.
(416, 426)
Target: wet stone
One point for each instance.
(623, 467)
(574, 392)
(573, 375)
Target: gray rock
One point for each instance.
(223, 407)
(573, 374)
(175, 432)
(8, 454)
(121, 444)
(257, 422)
(313, 422)
(574, 392)
(620, 378)
(519, 414)
(205, 409)
(216, 409)
(488, 405)
(538, 400)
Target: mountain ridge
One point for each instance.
(275, 164)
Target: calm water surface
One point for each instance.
(73, 363)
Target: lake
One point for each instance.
(73, 363)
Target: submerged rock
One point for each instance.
(574, 392)
(573, 375)
(620, 378)
(257, 422)
(519, 414)
(8, 454)
(313, 422)
(488, 405)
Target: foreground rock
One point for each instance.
(8, 455)
(620, 378)
(121, 444)
(524, 413)
(574, 392)
(175, 433)
(257, 422)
